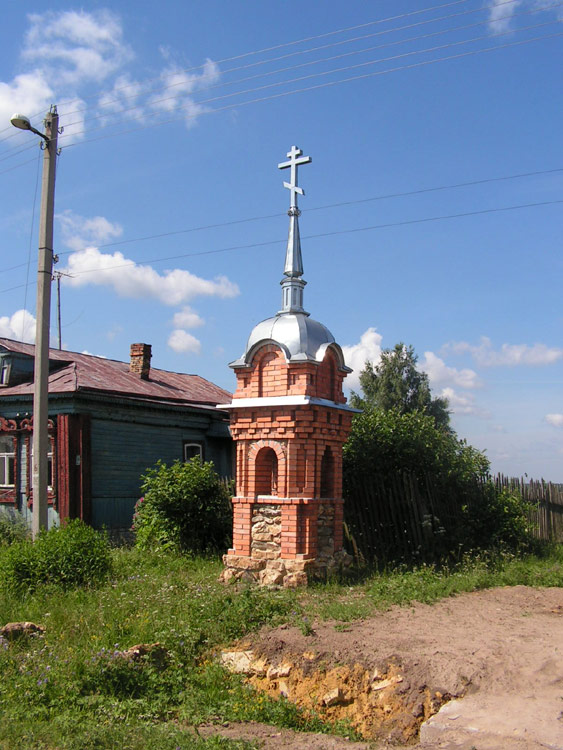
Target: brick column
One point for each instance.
(242, 526)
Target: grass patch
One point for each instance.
(71, 688)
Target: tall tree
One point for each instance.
(396, 383)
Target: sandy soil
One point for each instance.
(492, 659)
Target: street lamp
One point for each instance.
(44, 277)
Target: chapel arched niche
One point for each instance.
(266, 472)
(268, 364)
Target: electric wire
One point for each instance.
(321, 47)
(108, 114)
(314, 87)
(385, 196)
(346, 41)
(353, 230)
(404, 41)
(17, 166)
(358, 201)
(291, 43)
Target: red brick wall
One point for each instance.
(289, 442)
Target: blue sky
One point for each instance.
(171, 212)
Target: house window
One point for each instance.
(193, 449)
(4, 374)
(7, 461)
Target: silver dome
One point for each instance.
(300, 337)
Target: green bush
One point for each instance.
(69, 556)
(185, 506)
(498, 519)
(13, 527)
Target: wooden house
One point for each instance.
(108, 422)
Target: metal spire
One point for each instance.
(292, 286)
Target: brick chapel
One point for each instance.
(289, 420)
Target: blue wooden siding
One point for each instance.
(122, 451)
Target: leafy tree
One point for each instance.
(395, 383)
(412, 487)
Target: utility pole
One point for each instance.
(43, 305)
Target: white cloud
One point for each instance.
(184, 342)
(76, 46)
(65, 53)
(463, 404)
(79, 231)
(123, 99)
(187, 318)
(178, 87)
(129, 279)
(356, 355)
(555, 419)
(508, 355)
(20, 326)
(27, 93)
(500, 14)
(440, 374)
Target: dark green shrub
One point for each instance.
(13, 527)
(72, 555)
(499, 519)
(186, 506)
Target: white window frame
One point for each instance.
(192, 444)
(5, 373)
(5, 458)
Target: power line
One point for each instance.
(385, 196)
(279, 46)
(358, 201)
(315, 49)
(334, 233)
(388, 225)
(507, 2)
(314, 87)
(105, 115)
(17, 166)
(313, 38)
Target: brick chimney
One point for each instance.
(141, 360)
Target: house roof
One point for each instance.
(72, 372)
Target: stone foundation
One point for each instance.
(277, 526)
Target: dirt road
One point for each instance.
(482, 670)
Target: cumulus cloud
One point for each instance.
(123, 99)
(501, 13)
(508, 355)
(187, 318)
(356, 355)
(26, 93)
(555, 419)
(76, 46)
(462, 403)
(79, 231)
(20, 326)
(183, 342)
(177, 89)
(129, 279)
(441, 374)
(65, 53)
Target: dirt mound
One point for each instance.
(388, 674)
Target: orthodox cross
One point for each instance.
(295, 159)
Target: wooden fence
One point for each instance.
(404, 517)
(545, 504)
